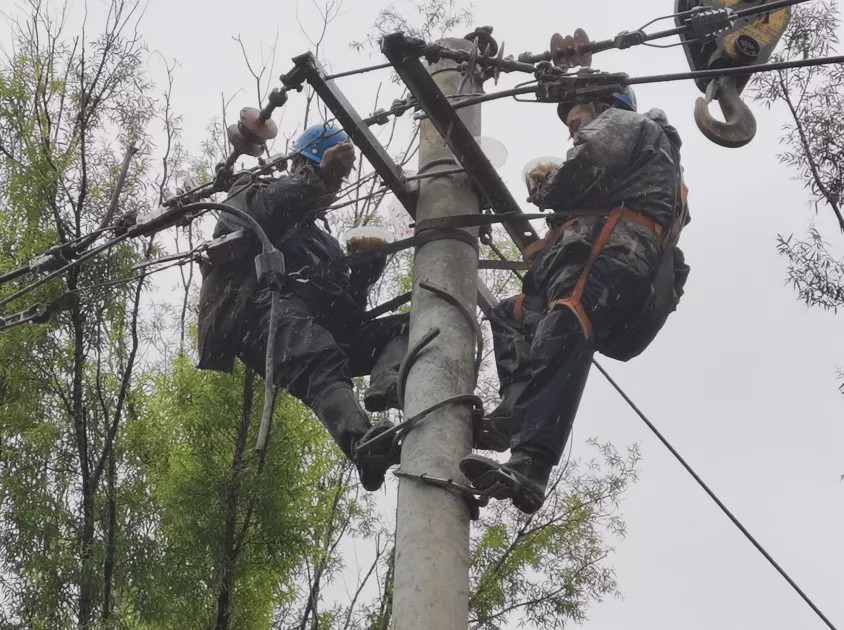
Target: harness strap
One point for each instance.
(550, 236)
(574, 301)
(519, 307)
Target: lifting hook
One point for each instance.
(739, 125)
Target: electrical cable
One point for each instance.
(713, 496)
(89, 254)
(273, 271)
(348, 73)
(736, 15)
(11, 275)
(717, 73)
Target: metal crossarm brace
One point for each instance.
(369, 145)
(402, 54)
(359, 132)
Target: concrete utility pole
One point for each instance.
(431, 589)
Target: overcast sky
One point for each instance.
(743, 378)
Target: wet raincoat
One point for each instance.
(622, 160)
(323, 337)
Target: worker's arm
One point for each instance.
(284, 202)
(291, 198)
(607, 147)
(362, 277)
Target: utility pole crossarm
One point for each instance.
(357, 129)
(401, 52)
(369, 145)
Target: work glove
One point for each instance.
(536, 174)
(536, 180)
(337, 163)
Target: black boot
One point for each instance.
(383, 383)
(523, 479)
(338, 409)
(375, 453)
(498, 427)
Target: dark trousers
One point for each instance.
(547, 348)
(316, 348)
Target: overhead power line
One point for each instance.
(714, 497)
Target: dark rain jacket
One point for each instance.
(621, 159)
(286, 209)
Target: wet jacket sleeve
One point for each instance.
(362, 277)
(606, 148)
(286, 201)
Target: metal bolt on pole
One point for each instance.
(431, 587)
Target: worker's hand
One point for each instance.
(338, 162)
(537, 176)
(536, 179)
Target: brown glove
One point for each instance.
(337, 163)
(536, 178)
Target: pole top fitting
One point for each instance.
(487, 46)
(398, 44)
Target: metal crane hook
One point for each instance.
(739, 126)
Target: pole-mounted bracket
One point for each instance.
(404, 52)
(475, 500)
(310, 70)
(390, 172)
(582, 87)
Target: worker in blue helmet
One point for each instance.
(323, 339)
(604, 278)
(316, 140)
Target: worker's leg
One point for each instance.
(560, 360)
(377, 348)
(308, 359)
(310, 364)
(616, 289)
(513, 322)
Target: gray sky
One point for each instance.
(742, 380)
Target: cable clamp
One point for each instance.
(474, 498)
(626, 39)
(708, 22)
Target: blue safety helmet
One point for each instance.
(316, 140)
(626, 99)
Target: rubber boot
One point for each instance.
(375, 453)
(383, 392)
(499, 427)
(338, 409)
(523, 479)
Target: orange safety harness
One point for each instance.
(574, 301)
(615, 216)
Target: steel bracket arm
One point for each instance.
(369, 145)
(357, 129)
(403, 53)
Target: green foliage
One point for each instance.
(63, 386)
(546, 569)
(130, 494)
(186, 447)
(814, 98)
